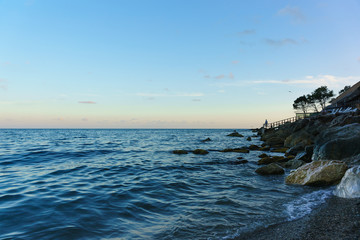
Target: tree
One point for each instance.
(301, 103)
(312, 102)
(322, 95)
(344, 90)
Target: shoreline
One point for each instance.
(338, 218)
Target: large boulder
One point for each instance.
(338, 143)
(300, 138)
(271, 169)
(318, 173)
(349, 186)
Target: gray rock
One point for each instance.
(338, 143)
(349, 186)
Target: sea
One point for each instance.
(127, 184)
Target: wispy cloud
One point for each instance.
(87, 102)
(247, 32)
(281, 42)
(153, 95)
(293, 12)
(319, 80)
(236, 62)
(220, 76)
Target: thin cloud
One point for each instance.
(280, 43)
(220, 76)
(320, 80)
(247, 32)
(293, 12)
(153, 95)
(87, 102)
(236, 62)
(231, 76)
(359, 59)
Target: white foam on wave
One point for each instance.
(306, 203)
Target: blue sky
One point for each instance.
(170, 64)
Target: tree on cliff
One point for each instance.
(301, 103)
(312, 102)
(322, 95)
(344, 90)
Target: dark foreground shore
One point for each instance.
(338, 218)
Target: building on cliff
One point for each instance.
(349, 98)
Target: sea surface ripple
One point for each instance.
(127, 184)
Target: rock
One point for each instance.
(349, 186)
(240, 158)
(248, 139)
(344, 119)
(265, 149)
(272, 159)
(238, 150)
(302, 138)
(263, 155)
(279, 150)
(271, 169)
(200, 151)
(180, 152)
(338, 143)
(304, 156)
(295, 150)
(293, 164)
(235, 134)
(206, 140)
(240, 162)
(254, 147)
(318, 173)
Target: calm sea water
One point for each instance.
(126, 184)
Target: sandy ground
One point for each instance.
(338, 218)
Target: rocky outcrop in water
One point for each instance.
(349, 186)
(235, 134)
(318, 173)
(271, 169)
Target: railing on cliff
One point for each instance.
(290, 120)
(281, 122)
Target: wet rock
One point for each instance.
(338, 143)
(206, 140)
(349, 186)
(293, 164)
(271, 159)
(265, 149)
(304, 156)
(279, 150)
(254, 147)
(263, 155)
(240, 158)
(240, 162)
(295, 150)
(200, 151)
(318, 173)
(235, 134)
(271, 169)
(180, 152)
(238, 150)
(248, 139)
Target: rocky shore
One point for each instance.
(324, 150)
(337, 219)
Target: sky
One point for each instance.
(170, 63)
